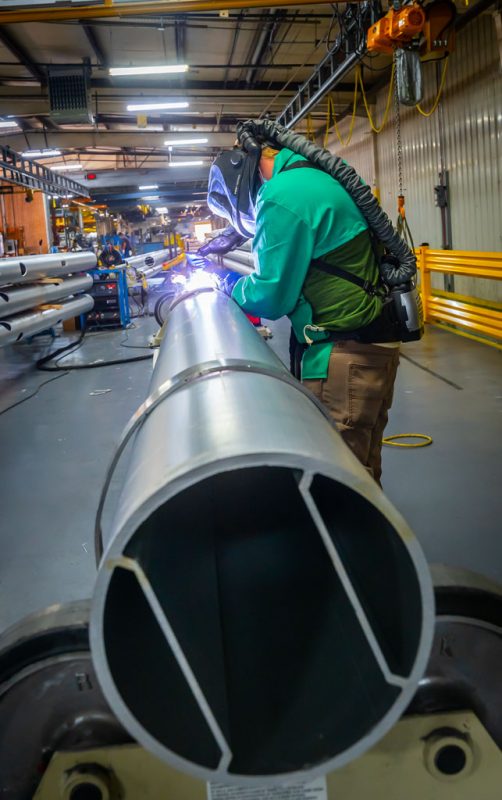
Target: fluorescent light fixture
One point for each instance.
(151, 197)
(8, 123)
(161, 69)
(165, 106)
(177, 142)
(64, 167)
(41, 153)
(162, 209)
(150, 186)
(185, 163)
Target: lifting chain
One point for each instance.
(402, 226)
(399, 145)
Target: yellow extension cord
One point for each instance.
(425, 440)
(358, 82)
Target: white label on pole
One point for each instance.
(315, 790)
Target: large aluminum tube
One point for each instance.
(262, 612)
(13, 329)
(14, 299)
(32, 268)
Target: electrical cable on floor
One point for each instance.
(425, 440)
(133, 346)
(61, 353)
(32, 394)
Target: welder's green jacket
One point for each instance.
(304, 214)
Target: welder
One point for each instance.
(316, 262)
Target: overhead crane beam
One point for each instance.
(110, 9)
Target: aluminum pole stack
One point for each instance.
(150, 264)
(13, 329)
(32, 268)
(20, 298)
(29, 285)
(262, 612)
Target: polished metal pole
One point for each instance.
(18, 298)
(19, 326)
(32, 268)
(262, 612)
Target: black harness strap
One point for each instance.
(339, 272)
(300, 165)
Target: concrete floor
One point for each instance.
(56, 446)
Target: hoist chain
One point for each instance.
(397, 123)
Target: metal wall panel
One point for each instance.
(472, 120)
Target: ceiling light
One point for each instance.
(40, 153)
(151, 197)
(162, 209)
(185, 163)
(177, 142)
(165, 106)
(9, 123)
(150, 186)
(162, 69)
(64, 167)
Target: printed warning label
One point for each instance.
(315, 790)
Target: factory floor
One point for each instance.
(56, 446)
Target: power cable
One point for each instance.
(34, 393)
(62, 352)
(438, 98)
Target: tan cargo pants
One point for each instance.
(358, 394)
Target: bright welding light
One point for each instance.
(201, 280)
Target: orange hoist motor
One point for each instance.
(396, 29)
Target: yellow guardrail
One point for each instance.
(468, 316)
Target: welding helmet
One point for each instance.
(234, 182)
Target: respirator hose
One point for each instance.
(264, 130)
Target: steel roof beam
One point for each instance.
(21, 55)
(93, 40)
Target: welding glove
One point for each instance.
(228, 240)
(228, 283)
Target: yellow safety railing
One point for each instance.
(469, 316)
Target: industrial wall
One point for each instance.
(466, 132)
(31, 217)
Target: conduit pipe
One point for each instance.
(14, 299)
(262, 612)
(148, 261)
(31, 268)
(228, 262)
(13, 329)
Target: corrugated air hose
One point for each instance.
(264, 130)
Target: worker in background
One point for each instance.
(306, 226)
(125, 245)
(110, 256)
